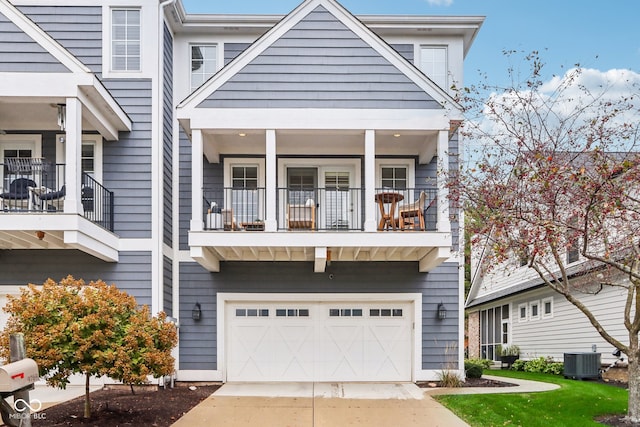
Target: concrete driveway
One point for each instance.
(320, 405)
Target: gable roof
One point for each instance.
(36, 66)
(319, 56)
(31, 39)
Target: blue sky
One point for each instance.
(596, 34)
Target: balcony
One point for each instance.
(36, 212)
(321, 225)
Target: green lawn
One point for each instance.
(575, 403)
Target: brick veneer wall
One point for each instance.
(473, 334)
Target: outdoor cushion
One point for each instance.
(19, 189)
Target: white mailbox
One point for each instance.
(17, 375)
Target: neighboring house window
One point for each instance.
(494, 330)
(534, 310)
(203, 64)
(433, 62)
(394, 177)
(573, 252)
(547, 307)
(125, 40)
(522, 312)
(523, 257)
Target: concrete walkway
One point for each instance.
(336, 404)
(521, 386)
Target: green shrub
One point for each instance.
(485, 363)
(540, 365)
(518, 365)
(472, 369)
(535, 365)
(556, 368)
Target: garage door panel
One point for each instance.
(315, 341)
(293, 351)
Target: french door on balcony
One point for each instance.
(16, 154)
(329, 189)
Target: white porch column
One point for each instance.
(196, 181)
(370, 180)
(271, 222)
(73, 157)
(443, 224)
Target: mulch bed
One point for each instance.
(153, 407)
(469, 382)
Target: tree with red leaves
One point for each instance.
(94, 329)
(555, 168)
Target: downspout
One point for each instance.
(157, 221)
(157, 258)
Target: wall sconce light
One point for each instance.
(442, 311)
(62, 116)
(196, 313)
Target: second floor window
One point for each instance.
(125, 40)
(433, 62)
(394, 177)
(203, 64)
(245, 177)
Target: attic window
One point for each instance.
(433, 63)
(203, 64)
(125, 40)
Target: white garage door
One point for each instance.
(319, 341)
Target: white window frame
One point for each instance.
(543, 303)
(437, 79)
(216, 58)
(148, 43)
(410, 164)
(128, 41)
(522, 319)
(230, 163)
(536, 304)
(19, 142)
(94, 139)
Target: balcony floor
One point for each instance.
(57, 231)
(429, 249)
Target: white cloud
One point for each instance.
(440, 2)
(573, 99)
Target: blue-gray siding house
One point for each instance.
(276, 184)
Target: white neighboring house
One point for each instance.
(510, 305)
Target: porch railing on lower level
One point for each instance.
(326, 209)
(97, 202)
(34, 186)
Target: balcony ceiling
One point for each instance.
(311, 143)
(40, 115)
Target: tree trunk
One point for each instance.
(633, 413)
(87, 402)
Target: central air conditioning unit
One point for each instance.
(581, 365)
